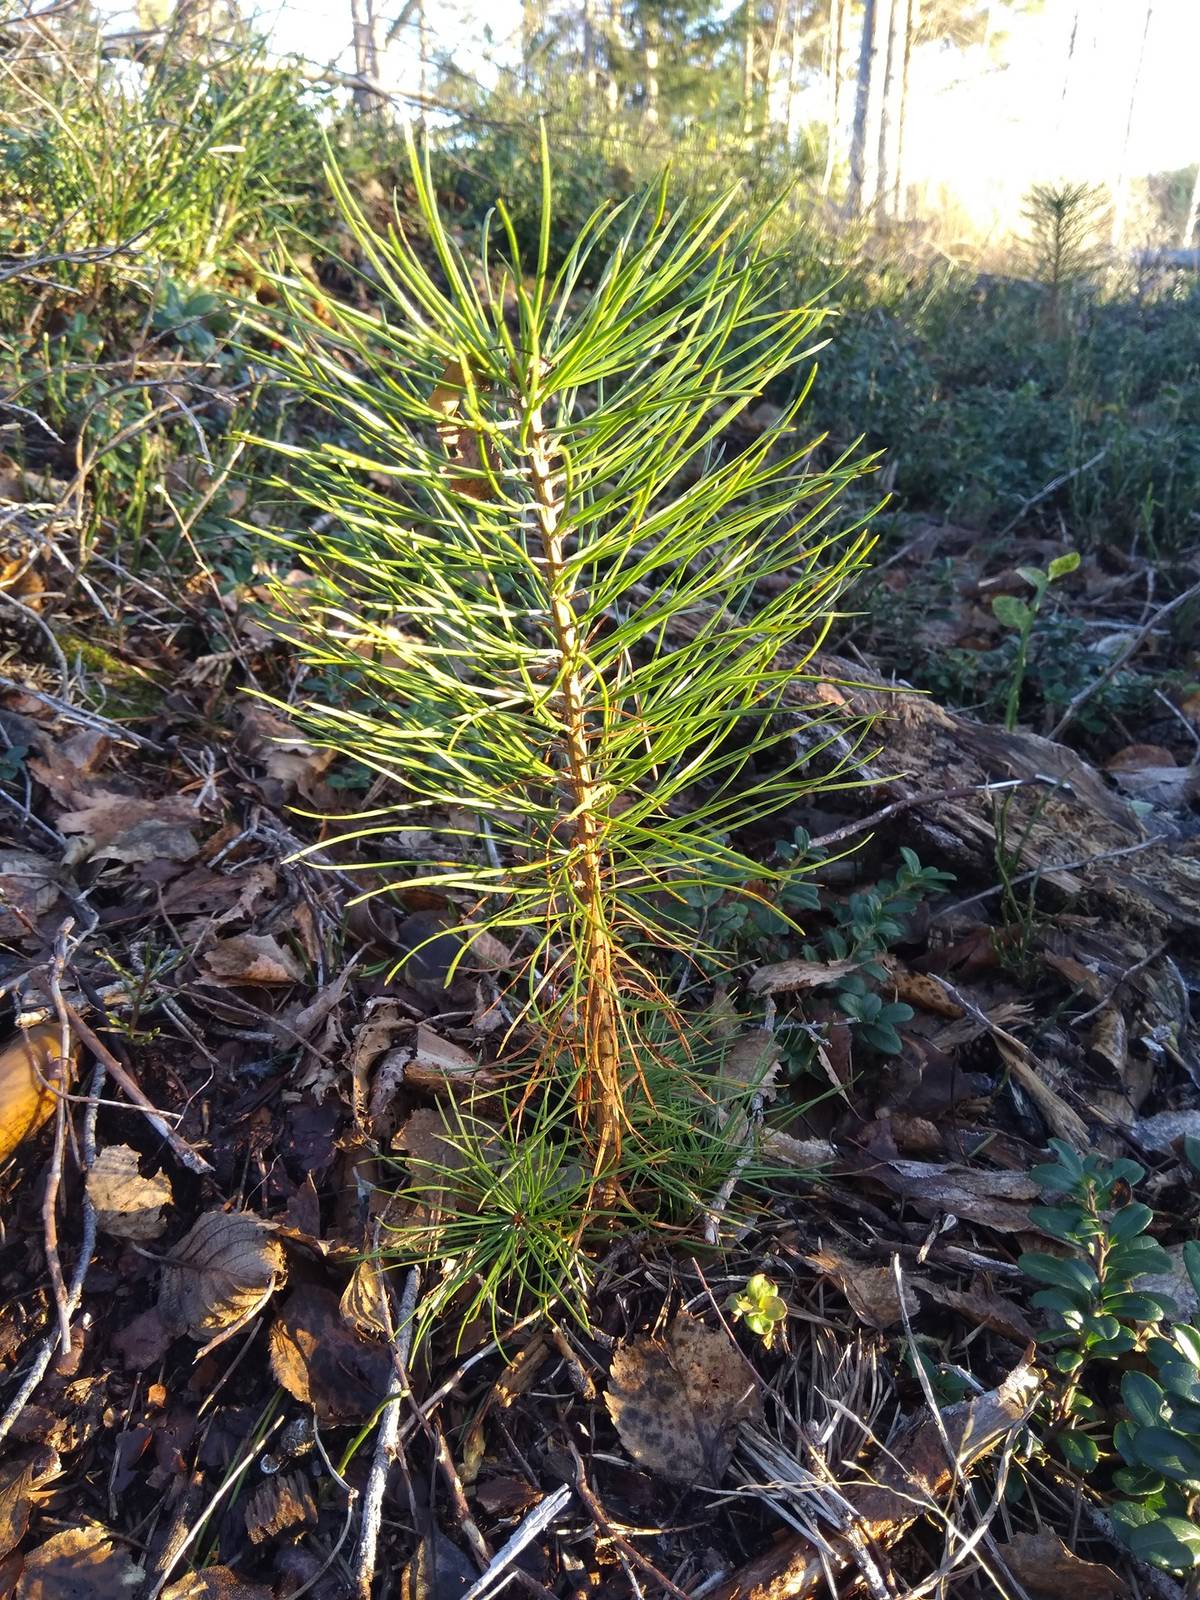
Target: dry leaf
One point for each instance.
(275, 744)
(29, 1063)
(1047, 1570)
(28, 889)
(279, 1504)
(919, 989)
(436, 1061)
(997, 1199)
(752, 1062)
(220, 1274)
(120, 827)
(678, 1402)
(321, 1361)
(364, 1301)
(79, 1564)
(871, 1291)
(127, 1204)
(1167, 1130)
(252, 958)
(785, 976)
(215, 1583)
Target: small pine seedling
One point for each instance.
(559, 613)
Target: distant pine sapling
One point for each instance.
(556, 603)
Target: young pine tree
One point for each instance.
(560, 595)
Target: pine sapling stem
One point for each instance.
(599, 1025)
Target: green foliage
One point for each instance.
(537, 600)
(1020, 616)
(867, 925)
(1104, 1317)
(760, 1306)
(193, 161)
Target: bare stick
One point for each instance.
(1118, 661)
(927, 797)
(388, 1445)
(191, 1159)
(54, 1173)
(540, 1517)
(1050, 866)
(36, 1370)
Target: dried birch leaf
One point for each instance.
(127, 1204)
(220, 1274)
(215, 1583)
(785, 976)
(29, 888)
(1045, 1568)
(321, 1361)
(678, 1402)
(79, 1564)
(870, 1291)
(252, 958)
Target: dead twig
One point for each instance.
(36, 1370)
(540, 1517)
(190, 1158)
(388, 1445)
(1118, 661)
(605, 1528)
(54, 1172)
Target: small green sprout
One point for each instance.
(760, 1304)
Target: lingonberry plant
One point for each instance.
(559, 592)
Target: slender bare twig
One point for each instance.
(540, 1517)
(1118, 661)
(190, 1158)
(388, 1445)
(1050, 866)
(44, 628)
(36, 1370)
(927, 797)
(1122, 980)
(1055, 483)
(54, 1172)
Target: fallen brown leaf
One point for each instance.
(215, 1583)
(1046, 1569)
(785, 976)
(870, 1291)
(678, 1402)
(79, 1564)
(220, 1274)
(127, 1204)
(321, 1361)
(122, 827)
(29, 887)
(252, 958)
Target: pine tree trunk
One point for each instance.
(900, 187)
(887, 100)
(1120, 188)
(861, 172)
(748, 72)
(1193, 216)
(366, 54)
(836, 53)
(771, 70)
(650, 68)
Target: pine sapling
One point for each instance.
(562, 601)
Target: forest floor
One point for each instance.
(245, 1072)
